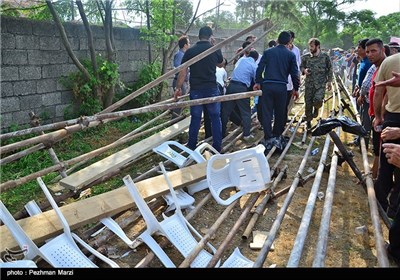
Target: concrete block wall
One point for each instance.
(34, 61)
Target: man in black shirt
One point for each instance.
(203, 83)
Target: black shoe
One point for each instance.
(308, 125)
(391, 256)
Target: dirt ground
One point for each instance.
(350, 210)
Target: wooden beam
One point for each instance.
(118, 159)
(46, 225)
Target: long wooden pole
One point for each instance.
(14, 183)
(373, 204)
(51, 138)
(277, 223)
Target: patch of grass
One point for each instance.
(75, 145)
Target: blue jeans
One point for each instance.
(214, 111)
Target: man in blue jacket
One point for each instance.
(272, 74)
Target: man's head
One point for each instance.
(244, 45)
(292, 35)
(284, 38)
(361, 48)
(184, 42)
(271, 44)
(253, 54)
(375, 51)
(251, 38)
(205, 33)
(394, 48)
(314, 45)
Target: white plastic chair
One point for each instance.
(236, 259)
(33, 209)
(176, 228)
(183, 156)
(247, 170)
(60, 251)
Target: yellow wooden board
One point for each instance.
(99, 169)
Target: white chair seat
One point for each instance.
(237, 260)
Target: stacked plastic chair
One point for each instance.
(182, 156)
(60, 251)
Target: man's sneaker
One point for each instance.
(248, 138)
(308, 125)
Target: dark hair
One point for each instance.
(253, 54)
(284, 38)
(315, 41)
(183, 40)
(370, 42)
(362, 43)
(205, 33)
(272, 43)
(225, 62)
(245, 44)
(291, 34)
(250, 36)
(387, 49)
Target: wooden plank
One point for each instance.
(46, 225)
(118, 159)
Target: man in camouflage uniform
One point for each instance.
(317, 67)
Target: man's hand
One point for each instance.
(257, 87)
(295, 95)
(392, 153)
(329, 86)
(177, 93)
(377, 121)
(360, 100)
(393, 82)
(356, 91)
(390, 133)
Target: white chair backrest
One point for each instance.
(18, 233)
(53, 203)
(171, 151)
(151, 221)
(248, 170)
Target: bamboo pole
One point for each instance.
(276, 225)
(298, 246)
(232, 233)
(373, 204)
(204, 240)
(299, 242)
(52, 153)
(320, 250)
(51, 138)
(14, 183)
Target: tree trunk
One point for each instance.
(66, 42)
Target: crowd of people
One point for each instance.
(372, 67)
